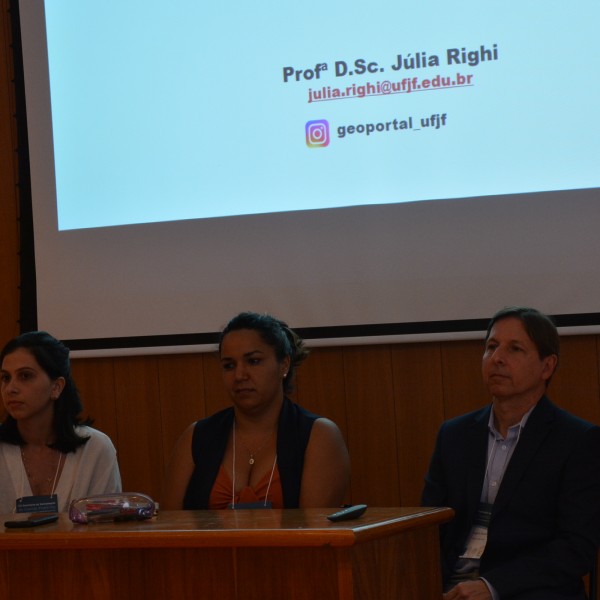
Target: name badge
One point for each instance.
(242, 505)
(37, 504)
(478, 536)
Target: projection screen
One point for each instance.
(365, 171)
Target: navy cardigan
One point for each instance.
(209, 442)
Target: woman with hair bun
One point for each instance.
(264, 451)
(48, 455)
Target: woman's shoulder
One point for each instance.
(293, 410)
(96, 438)
(325, 429)
(221, 418)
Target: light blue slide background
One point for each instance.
(174, 111)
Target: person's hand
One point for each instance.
(474, 590)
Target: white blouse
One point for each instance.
(92, 469)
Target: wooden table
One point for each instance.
(388, 553)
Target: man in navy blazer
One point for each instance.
(522, 475)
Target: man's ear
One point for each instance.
(549, 366)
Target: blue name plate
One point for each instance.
(37, 504)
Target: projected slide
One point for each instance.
(189, 110)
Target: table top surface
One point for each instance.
(219, 528)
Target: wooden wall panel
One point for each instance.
(418, 398)
(95, 379)
(371, 425)
(9, 248)
(389, 402)
(320, 386)
(139, 424)
(181, 393)
(575, 384)
(214, 392)
(461, 375)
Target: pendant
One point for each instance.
(251, 461)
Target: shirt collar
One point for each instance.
(514, 431)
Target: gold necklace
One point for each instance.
(253, 453)
(43, 471)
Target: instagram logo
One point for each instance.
(317, 134)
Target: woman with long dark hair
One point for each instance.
(48, 455)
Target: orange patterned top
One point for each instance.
(221, 493)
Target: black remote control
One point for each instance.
(32, 521)
(352, 512)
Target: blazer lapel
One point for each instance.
(478, 443)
